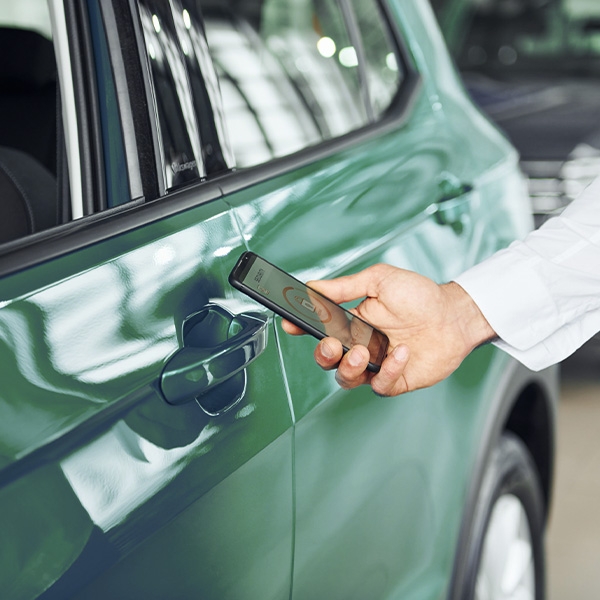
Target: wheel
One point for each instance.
(507, 554)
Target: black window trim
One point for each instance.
(93, 188)
(120, 36)
(126, 48)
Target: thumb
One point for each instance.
(390, 381)
(351, 287)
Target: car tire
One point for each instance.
(506, 556)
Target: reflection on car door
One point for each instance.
(97, 467)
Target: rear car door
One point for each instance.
(144, 452)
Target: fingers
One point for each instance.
(352, 367)
(328, 353)
(391, 380)
(352, 370)
(292, 329)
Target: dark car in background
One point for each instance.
(534, 67)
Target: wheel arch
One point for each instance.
(532, 420)
(525, 404)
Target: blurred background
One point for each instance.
(573, 544)
(534, 67)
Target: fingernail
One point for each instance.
(326, 351)
(355, 358)
(400, 353)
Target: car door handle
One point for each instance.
(454, 201)
(210, 367)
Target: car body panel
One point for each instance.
(307, 225)
(83, 416)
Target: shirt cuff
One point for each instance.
(513, 298)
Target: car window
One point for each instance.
(42, 142)
(381, 62)
(27, 14)
(295, 74)
(28, 81)
(28, 111)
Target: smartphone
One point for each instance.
(305, 307)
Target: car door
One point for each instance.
(383, 177)
(145, 428)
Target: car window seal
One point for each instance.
(88, 111)
(355, 35)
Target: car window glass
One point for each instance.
(27, 14)
(289, 73)
(41, 141)
(28, 114)
(265, 117)
(381, 63)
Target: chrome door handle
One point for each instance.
(210, 368)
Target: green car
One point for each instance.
(160, 436)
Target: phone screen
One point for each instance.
(306, 307)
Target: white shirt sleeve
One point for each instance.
(542, 295)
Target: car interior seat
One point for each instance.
(28, 94)
(28, 133)
(27, 195)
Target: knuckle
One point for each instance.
(345, 385)
(388, 374)
(379, 389)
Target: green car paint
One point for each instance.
(384, 192)
(300, 490)
(87, 435)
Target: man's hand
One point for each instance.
(431, 328)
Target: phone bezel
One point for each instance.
(241, 269)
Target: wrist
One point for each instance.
(474, 327)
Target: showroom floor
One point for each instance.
(573, 544)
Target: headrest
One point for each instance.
(27, 195)
(26, 60)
